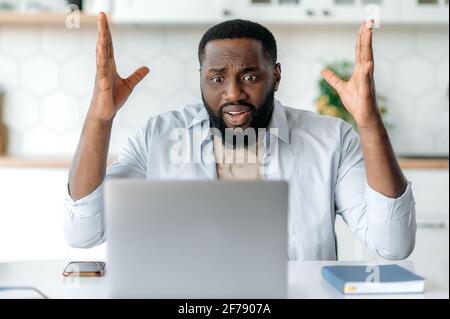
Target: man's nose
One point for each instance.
(234, 92)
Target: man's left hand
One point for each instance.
(358, 94)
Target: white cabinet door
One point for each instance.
(425, 11)
(171, 11)
(356, 11)
(278, 11)
(31, 217)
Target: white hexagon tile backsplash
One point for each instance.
(48, 74)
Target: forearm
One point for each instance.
(90, 161)
(383, 171)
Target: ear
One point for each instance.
(277, 76)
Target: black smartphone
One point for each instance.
(85, 269)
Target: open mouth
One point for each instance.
(237, 115)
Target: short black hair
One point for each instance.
(233, 29)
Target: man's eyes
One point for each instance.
(250, 78)
(246, 78)
(217, 80)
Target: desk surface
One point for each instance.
(304, 280)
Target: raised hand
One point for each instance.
(358, 94)
(111, 91)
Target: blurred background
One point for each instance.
(47, 70)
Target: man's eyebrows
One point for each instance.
(217, 70)
(242, 69)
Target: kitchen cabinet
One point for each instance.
(171, 11)
(425, 11)
(355, 11)
(281, 11)
(31, 214)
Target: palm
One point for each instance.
(358, 94)
(111, 90)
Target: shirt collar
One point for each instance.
(278, 121)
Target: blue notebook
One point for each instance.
(385, 279)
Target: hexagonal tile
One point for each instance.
(61, 43)
(415, 76)
(432, 113)
(442, 144)
(310, 43)
(143, 44)
(430, 43)
(402, 110)
(40, 74)
(343, 43)
(183, 44)
(127, 64)
(393, 44)
(296, 74)
(442, 75)
(22, 110)
(384, 76)
(409, 140)
(9, 75)
(26, 47)
(70, 142)
(41, 141)
(167, 75)
(140, 107)
(79, 74)
(60, 111)
(88, 40)
(192, 70)
(180, 100)
(283, 36)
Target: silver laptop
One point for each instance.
(206, 239)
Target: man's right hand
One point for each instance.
(88, 167)
(111, 91)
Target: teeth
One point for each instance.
(235, 113)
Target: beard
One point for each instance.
(261, 117)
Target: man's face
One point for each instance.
(238, 84)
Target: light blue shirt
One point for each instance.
(319, 156)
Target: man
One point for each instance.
(331, 170)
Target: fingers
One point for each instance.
(366, 42)
(102, 45)
(104, 34)
(105, 52)
(358, 44)
(137, 77)
(336, 82)
(110, 42)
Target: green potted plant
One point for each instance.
(328, 103)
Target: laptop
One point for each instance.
(196, 239)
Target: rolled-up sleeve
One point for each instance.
(387, 226)
(84, 225)
(83, 220)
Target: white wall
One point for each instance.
(48, 73)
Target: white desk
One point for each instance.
(305, 280)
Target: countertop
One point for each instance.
(304, 280)
(19, 162)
